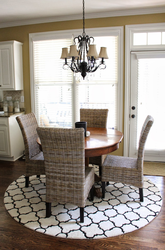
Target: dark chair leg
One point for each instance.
(103, 189)
(81, 214)
(48, 209)
(141, 194)
(91, 193)
(107, 183)
(38, 176)
(26, 181)
(100, 170)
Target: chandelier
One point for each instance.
(83, 55)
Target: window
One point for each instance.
(58, 94)
(148, 38)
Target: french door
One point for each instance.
(147, 97)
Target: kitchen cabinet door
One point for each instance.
(11, 68)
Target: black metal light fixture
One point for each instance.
(83, 54)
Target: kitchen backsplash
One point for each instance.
(16, 95)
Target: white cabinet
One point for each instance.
(4, 138)
(11, 140)
(11, 66)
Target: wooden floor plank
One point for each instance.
(15, 236)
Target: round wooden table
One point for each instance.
(101, 141)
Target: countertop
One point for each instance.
(6, 115)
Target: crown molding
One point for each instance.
(129, 12)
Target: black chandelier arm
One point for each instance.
(74, 67)
(99, 66)
(93, 69)
(102, 63)
(83, 67)
(84, 38)
(91, 37)
(79, 38)
(91, 63)
(104, 66)
(66, 64)
(73, 70)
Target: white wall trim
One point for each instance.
(120, 80)
(128, 12)
(31, 72)
(127, 91)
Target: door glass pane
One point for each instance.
(151, 100)
(154, 38)
(139, 38)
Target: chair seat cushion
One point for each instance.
(120, 162)
(89, 171)
(89, 179)
(37, 157)
(122, 169)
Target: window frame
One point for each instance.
(111, 31)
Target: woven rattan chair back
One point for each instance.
(33, 155)
(96, 118)
(28, 125)
(64, 155)
(143, 135)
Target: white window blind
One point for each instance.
(100, 88)
(53, 85)
(59, 94)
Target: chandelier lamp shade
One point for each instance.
(82, 57)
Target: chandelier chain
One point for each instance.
(83, 17)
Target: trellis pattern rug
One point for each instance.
(118, 213)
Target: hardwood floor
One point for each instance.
(16, 237)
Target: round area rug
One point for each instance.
(118, 213)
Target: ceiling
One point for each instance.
(14, 12)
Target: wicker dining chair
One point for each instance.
(34, 158)
(96, 118)
(67, 178)
(127, 170)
